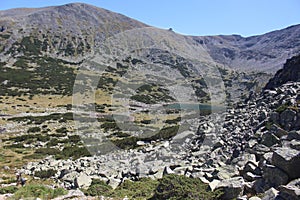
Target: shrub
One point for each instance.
(8, 190)
(38, 191)
(141, 189)
(34, 129)
(182, 187)
(45, 173)
(98, 188)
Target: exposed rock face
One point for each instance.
(288, 160)
(290, 72)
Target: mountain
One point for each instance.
(267, 52)
(73, 31)
(69, 30)
(92, 100)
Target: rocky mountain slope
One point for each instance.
(265, 52)
(89, 97)
(251, 149)
(290, 72)
(73, 31)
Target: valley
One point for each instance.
(99, 104)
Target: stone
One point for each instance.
(278, 131)
(72, 194)
(287, 118)
(260, 185)
(168, 170)
(290, 191)
(288, 160)
(213, 184)
(181, 137)
(274, 117)
(293, 135)
(269, 139)
(114, 183)
(83, 181)
(270, 194)
(249, 176)
(295, 144)
(274, 176)
(226, 172)
(254, 198)
(232, 187)
(70, 177)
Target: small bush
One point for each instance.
(8, 190)
(141, 189)
(181, 187)
(98, 188)
(45, 173)
(38, 191)
(34, 130)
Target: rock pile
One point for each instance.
(256, 149)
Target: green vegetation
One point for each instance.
(45, 173)
(50, 76)
(181, 187)
(34, 130)
(40, 191)
(41, 119)
(282, 108)
(152, 93)
(169, 187)
(8, 190)
(98, 188)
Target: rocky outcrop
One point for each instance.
(290, 72)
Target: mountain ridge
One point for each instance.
(92, 25)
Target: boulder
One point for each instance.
(288, 160)
(287, 118)
(260, 185)
(232, 187)
(254, 198)
(114, 183)
(293, 135)
(295, 144)
(270, 194)
(83, 181)
(269, 139)
(274, 176)
(290, 191)
(274, 117)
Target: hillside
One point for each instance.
(266, 52)
(93, 103)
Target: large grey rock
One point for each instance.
(270, 194)
(114, 183)
(269, 139)
(232, 187)
(287, 118)
(295, 144)
(293, 135)
(278, 131)
(274, 176)
(83, 181)
(70, 177)
(288, 160)
(260, 185)
(290, 191)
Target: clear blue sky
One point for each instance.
(195, 17)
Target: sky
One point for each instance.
(195, 17)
